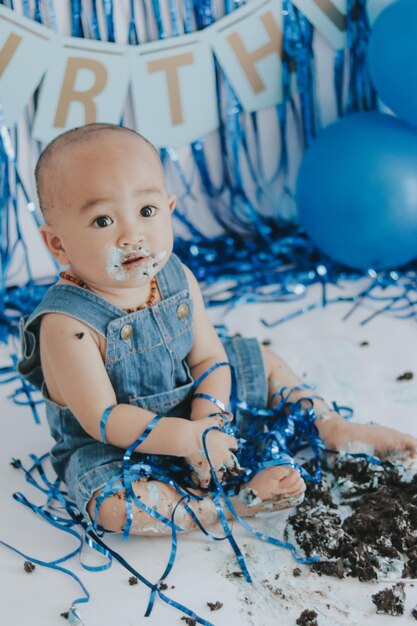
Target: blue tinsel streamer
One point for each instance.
(361, 95)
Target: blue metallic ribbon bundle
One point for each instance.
(288, 427)
(271, 438)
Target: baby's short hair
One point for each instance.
(74, 135)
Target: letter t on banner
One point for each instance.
(26, 49)
(88, 82)
(174, 90)
(248, 45)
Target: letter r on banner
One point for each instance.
(88, 82)
(69, 92)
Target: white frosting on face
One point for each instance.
(147, 269)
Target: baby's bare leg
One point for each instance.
(337, 433)
(254, 497)
(158, 496)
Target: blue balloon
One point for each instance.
(357, 191)
(392, 58)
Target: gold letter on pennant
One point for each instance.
(69, 93)
(8, 50)
(248, 60)
(170, 66)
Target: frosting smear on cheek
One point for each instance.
(138, 263)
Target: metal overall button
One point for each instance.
(182, 311)
(126, 332)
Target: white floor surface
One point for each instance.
(326, 351)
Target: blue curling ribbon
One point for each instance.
(92, 538)
(127, 480)
(53, 565)
(217, 492)
(103, 422)
(23, 395)
(203, 376)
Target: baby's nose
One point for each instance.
(131, 236)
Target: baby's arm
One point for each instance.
(207, 350)
(76, 377)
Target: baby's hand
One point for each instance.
(220, 447)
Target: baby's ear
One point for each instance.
(172, 200)
(53, 243)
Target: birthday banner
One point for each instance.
(171, 82)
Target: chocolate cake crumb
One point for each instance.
(163, 586)
(296, 572)
(28, 566)
(189, 620)
(330, 568)
(414, 612)
(364, 343)
(307, 618)
(390, 600)
(406, 376)
(79, 335)
(133, 580)
(266, 342)
(215, 606)
(378, 538)
(234, 575)
(64, 614)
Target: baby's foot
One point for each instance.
(272, 489)
(339, 434)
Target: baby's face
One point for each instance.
(109, 214)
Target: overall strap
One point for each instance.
(82, 304)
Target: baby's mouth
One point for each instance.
(133, 260)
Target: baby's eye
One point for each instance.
(103, 221)
(147, 211)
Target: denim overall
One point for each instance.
(146, 364)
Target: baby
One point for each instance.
(124, 334)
